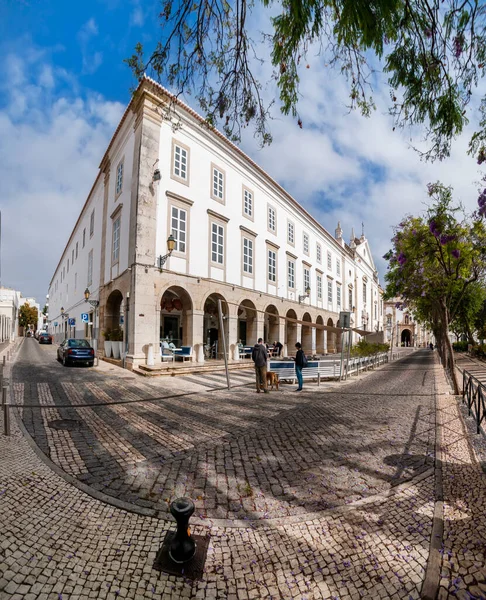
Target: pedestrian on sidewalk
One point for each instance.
(259, 356)
(300, 363)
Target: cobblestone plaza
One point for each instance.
(331, 493)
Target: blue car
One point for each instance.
(73, 351)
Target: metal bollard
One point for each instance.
(4, 360)
(182, 547)
(6, 413)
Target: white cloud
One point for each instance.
(50, 148)
(91, 60)
(137, 17)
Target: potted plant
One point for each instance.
(107, 343)
(117, 342)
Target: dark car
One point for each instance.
(45, 338)
(73, 351)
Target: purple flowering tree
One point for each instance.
(434, 260)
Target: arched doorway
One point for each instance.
(175, 311)
(406, 337)
(112, 312)
(290, 331)
(320, 338)
(271, 325)
(247, 323)
(331, 338)
(307, 333)
(213, 337)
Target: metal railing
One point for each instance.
(474, 395)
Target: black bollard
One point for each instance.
(182, 554)
(183, 546)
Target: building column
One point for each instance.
(260, 325)
(281, 337)
(195, 334)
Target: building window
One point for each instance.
(179, 228)
(272, 219)
(75, 281)
(72, 257)
(319, 287)
(376, 311)
(116, 241)
(119, 179)
(76, 250)
(91, 224)
(364, 292)
(272, 266)
(291, 274)
(217, 241)
(180, 162)
(248, 203)
(389, 321)
(329, 291)
(318, 253)
(338, 266)
(217, 188)
(306, 280)
(90, 267)
(84, 237)
(68, 265)
(338, 296)
(329, 261)
(291, 233)
(247, 256)
(306, 243)
(350, 298)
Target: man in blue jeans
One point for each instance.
(260, 357)
(299, 363)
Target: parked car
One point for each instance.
(73, 351)
(44, 338)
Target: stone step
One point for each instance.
(159, 371)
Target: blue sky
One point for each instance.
(64, 86)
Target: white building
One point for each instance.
(239, 238)
(402, 329)
(10, 303)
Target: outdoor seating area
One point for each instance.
(184, 353)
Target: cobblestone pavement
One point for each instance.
(58, 543)
(239, 455)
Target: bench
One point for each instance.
(184, 353)
(315, 370)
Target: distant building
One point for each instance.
(401, 328)
(9, 314)
(239, 238)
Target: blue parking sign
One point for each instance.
(84, 318)
(72, 322)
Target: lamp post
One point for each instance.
(94, 304)
(304, 296)
(170, 247)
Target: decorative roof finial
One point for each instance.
(352, 243)
(338, 234)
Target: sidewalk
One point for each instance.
(58, 543)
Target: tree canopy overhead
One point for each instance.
(433, 51)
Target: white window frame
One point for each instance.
(178, 232)
(84, 237)
(319, 286)
(364, 292)
(318, 253)
(291, 233)
(271, 219)
(217, 243)
(77, 250)
(350, 298)
(218, 183)
(305, 243)
(115, 240)
(248, 199)
(90, 268)
(291, 274)
(92, 223)
(248, 254)
(306, 278)
(329, 291)
(179, 169)
(119, 178)
(329, 261)
(338, 296)
(272, 266)
(338, 266)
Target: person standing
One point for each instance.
(300, 362)
(259, 356)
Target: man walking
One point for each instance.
(259, 356)
(300, 363)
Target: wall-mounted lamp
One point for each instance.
(156, 176)
(86, 298)
(306, 295)
(170, 247)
